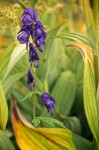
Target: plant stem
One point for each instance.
(34, 101)
(95, 15)
(96, 50)
(46, 86)
(34, 98)
(22, 4)
(96, 70)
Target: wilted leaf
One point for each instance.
(29, 138)
(3, 109)
(89, 88)
(5, 143)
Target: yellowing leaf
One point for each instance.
(89, 88)
(3, 109)
(85, 50)
(29, 138)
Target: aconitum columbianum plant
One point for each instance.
(32, 33)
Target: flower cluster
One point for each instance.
(33, 29)
(48, 101)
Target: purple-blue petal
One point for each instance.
(33, 55)
(35, 16)
(27, 29)
(37, 33)
(30, 77)
(50, 105)
(27, 20)
(39, 25)
(40, 42)
(36, 63)
(39, 48)
(48, 101)
(23, 38)
(28, 11)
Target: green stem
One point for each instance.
(46, 86)
(34, 106)
(22, 4)
(96, 70)
(34, 98)
(95, 15)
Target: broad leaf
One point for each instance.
(16, 55)
(3, 109)
(81, 143)
(64, 92)
(5, 143)
(89, 88)
(30, 138)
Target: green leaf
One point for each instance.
(75, 37)
(29, 138)
(11, 79)
(90, 104)
(81, 143)
(28, 96)
(4, 59)
(3, 109)
(5, 143)
(72, 123)
(36, 121)
(64, 92)
(16, 55)
(49, 121)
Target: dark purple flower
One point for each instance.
(28, 11)
(27, 20)
(26, 29)
(39, 33)
(33, 55)
(40, 42)
(39, 25)
(35, 17)
(30, 78)
(48, 101)
(23, 38)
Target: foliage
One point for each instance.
(74, 124)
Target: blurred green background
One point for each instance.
(60, 69)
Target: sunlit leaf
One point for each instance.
(89, 87)
(75, 37)
(30, 138)
(5, 143)
(3, 109)
(4, 59)
(16, 55)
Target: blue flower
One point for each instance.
(30, 80)
(33, 55)
(33, 28)
(48, 101)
